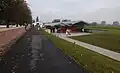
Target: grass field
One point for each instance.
(103, 27)
(109, 39)
(91, 61)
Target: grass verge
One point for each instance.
(91, 61)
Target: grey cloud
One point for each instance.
(89, 10)
(107, 14)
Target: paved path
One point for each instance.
(35, 53)
(9, 37)
(72, 34)
(105, 52)
(5, 29)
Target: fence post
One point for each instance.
(74, 45)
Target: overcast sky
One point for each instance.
(88, 10)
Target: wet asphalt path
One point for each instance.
(35, 53)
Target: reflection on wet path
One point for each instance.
(36, 54)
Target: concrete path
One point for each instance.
(72, 34)
(105, 52)
(35, 53)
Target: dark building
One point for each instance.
(74, 26)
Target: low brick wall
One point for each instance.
(9, 36)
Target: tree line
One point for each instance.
(15, 11)
(115, 23)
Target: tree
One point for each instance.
(37, 19)
(103, 22)
(115, 23)
(15, 10)
(24, 12)
(2, 7)
(56, 20)
(94, 23)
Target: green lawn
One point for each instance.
(109, 39)
(103, 27)
(91, 61)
